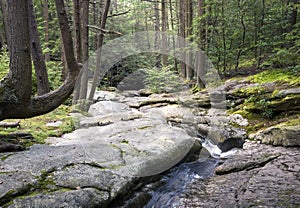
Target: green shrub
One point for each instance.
(161, 80)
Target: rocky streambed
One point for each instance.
(129, 139)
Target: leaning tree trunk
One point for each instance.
(96, 76)
(37, 54)
(15, 88)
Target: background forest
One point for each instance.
(240, 37)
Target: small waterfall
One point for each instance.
(182, 175)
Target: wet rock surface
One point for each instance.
(259, 176)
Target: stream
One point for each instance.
(175, 181)
(179, 178)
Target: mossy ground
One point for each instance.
(37, 125)
(260, 102)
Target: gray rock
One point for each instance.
(226, 137)
(106, 107)
(284, 93)
(280, 135)
(238, 119)
(110, 118)
(259, 176)
(100, 161)
(107, 96)
(82, 198)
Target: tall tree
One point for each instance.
(164, 22)
(15, 93)
(85, 48)
(181, 34)
(37, 54)
(99, 51)
(46, 24)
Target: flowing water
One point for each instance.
(182, 175)
(168, 195)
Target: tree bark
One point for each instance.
(77, 29)
(37, 54)
(20, 60)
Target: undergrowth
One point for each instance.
(37, 125)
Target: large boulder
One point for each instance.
(93, 165)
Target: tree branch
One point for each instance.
(104, 31)
(119, 14)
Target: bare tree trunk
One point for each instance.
(182, 37)
(85, 49)
(164, 21)
(157, 30)
(199, 58)
(173, 36)
(37, 54)
(188, 31)
(20, 60)
(99, 45)
(46, 24)
(5, 15)
(77, 29)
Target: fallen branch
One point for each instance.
(104, 31)
(10, 124)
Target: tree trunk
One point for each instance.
(77, 29)
(85, 49)
(157, 31)
(4, 17)
(164, 21)
(96, 76)
(188, 33)
(199, 58)
(173, 36)
(15, 93)
(46, 25)
(182, 37)
(20, 60)
(37, 54)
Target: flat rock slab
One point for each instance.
(94, 164)
(259, 176)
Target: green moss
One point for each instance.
(37, 125)
(280, 76)
(291, 122)
(4, 157)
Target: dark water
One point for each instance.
(178, 179)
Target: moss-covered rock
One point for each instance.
(279, 135)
